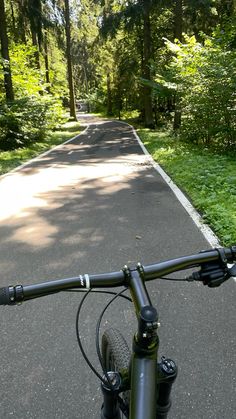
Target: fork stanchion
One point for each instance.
(167, 373)
(110, 407)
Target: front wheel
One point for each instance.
(116, 357)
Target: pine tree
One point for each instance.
(69, 61)
(5, 54)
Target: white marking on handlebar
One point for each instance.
(81, 280)
(86, 276)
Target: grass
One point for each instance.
(207, 177)
(11, 159)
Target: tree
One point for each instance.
(117, 69)
(205, 75)
(86, 50)
(178, 29)
(69, 61)
(35, 16)
(146, 73)
(5, 54)
(21, 24)
(129, 15)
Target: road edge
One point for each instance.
(207, 232)
(28, 162)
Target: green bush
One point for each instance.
(208, 101)
(27, 120)
(202, 78)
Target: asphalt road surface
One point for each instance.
(93, 205)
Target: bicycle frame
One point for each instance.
(149, 382)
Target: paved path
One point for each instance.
(93, 205)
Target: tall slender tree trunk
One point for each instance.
(178, 21)
(35, 17)
(147, 40)
(21, 20)
(5, 54)
(13, 21)
(69, 62)
(47, 76)
(35, 44)
(109, 95)
(178, 29)
(87, 87)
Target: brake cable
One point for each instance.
(86, 293)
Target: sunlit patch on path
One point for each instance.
(27, 191)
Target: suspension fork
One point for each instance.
(110, 408)
(155, 401)
(166, 376)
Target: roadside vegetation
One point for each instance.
(206, 176)
(12, 158)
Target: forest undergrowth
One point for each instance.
(206, 176)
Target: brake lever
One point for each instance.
(228, 273)
(213, 275)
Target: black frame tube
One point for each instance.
(143, 366)
(143, 387)
(138, 291)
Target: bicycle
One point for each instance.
(134, 384)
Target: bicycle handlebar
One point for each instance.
(217, 258)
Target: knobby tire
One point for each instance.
(116, 357)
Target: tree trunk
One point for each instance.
(21, 21)
(147, 91)
(5, 54)
(47, 77)
(87, 87)
(109, 95)
(13, 22)
(178, 21)
(69, 62)
(178, 29)
(35, 44)
(35, 18)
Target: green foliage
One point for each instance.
(204, 78)
(27, 79)
(207, 81)
(13, 158)
(207, 177)
(57, 72)
(28, 119)
(97, 101)
(107, 72)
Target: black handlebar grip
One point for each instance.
(5, 296)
